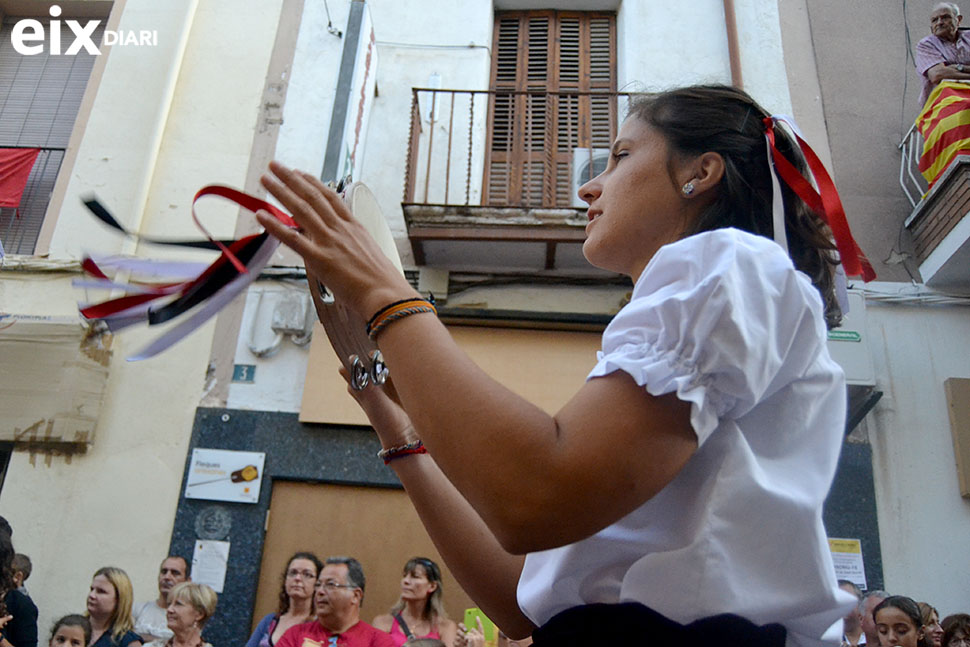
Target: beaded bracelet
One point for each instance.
(389, 454)
(397, 310)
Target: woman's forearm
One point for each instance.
(487, 572)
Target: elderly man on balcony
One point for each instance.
(944, 54)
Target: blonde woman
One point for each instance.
(190, 606)
(109, 609)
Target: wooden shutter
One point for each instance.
(544, 63)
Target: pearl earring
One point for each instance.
(688, 189)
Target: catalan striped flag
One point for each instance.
(945, 126)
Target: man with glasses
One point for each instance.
(338, 597)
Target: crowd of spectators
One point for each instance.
(883, 620)
(320, 602)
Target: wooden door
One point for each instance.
(378, 526)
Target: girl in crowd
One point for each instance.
(109, 609)
(678, 494)
(18, 613)
(932, 631)
(190, 607)
(71, 631)
(296, 600)
(898, 622)
(419, 612)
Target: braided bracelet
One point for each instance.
(395, 311)
(389, 454)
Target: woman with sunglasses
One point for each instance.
(678, 494)
(296, 600)
(420, 611)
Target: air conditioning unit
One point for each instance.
(583, 159)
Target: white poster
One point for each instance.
(209, 563)
(225, 475)
(847, 557)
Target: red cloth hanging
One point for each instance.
(15, 166)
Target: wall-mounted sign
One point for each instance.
(225, 475)
(847, 558)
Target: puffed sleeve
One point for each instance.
(722, 319)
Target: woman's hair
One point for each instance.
(907, 606)
(73, 620)
(6, 569)
(284, 598)
(434, 608)
(926, 611)
(724, 120)
(958, 622)
(202, 598)
(120, 620)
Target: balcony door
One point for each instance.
(547, 69)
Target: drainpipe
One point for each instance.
(734, 52)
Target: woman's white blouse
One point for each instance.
(724, 320)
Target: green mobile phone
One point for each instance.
(471, 615)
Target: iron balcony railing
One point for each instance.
(501, 148)
(20, 226)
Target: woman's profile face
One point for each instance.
(933, 631)
(102, 597)
(895, 628)
(415, 584)
(181, 615)
(301, 578)
(635, 207)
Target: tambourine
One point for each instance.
(345, 329)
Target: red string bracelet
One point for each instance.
(391, 453)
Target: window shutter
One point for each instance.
(541, 59)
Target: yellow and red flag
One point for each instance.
(944, 124)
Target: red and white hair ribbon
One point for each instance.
(825, 201)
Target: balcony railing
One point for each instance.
(910, 179)
(497, 148)
(20, 226)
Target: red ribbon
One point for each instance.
(245, 201)
(188, 291)
(825, 202)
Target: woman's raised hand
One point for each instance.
(336, 247)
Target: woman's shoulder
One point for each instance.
(384, 622)
(728, 265)
(716, 252)
(128, 638)
(268, 618)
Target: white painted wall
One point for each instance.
(924, 523)
(165, 121)
(662, 45)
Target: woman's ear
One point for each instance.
(708, 170)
